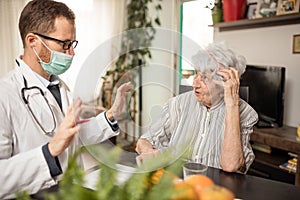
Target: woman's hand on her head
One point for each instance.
(231, 85)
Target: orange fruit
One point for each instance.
(184, 191)
(158, 174)
(216, 192)
(199, 182)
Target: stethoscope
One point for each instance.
(26, 101)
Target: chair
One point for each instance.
(185, 88)
(244, 93)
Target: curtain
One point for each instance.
(10, 39)
(94, 26)
(96, 22)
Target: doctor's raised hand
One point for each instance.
(120, 101)
(66, 130)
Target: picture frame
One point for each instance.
(266, 8)
(251, 10)
(288, 7)
(296, 43)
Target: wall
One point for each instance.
(160, 77)
(271, 46)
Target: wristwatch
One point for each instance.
(113, 123)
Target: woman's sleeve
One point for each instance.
(159, 132)
(248, 118)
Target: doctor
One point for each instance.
(38, 129)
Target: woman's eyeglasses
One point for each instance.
(66, 44)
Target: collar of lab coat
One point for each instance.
(32, 80)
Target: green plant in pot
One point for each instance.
(216, 8)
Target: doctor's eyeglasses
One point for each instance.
(66, 44)
(36, 102)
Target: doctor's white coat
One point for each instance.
(22, 163)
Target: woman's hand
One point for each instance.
(232, 156)
(146, 151)
(231, 85)
(144, 156)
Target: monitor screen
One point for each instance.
(265, 85)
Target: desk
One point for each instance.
(282, 138)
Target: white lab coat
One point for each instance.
(22, 163)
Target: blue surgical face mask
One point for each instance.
(59, 62)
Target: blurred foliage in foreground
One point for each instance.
(137, 187)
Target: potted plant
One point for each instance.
(216, 8)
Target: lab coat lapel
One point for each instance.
(29, 75)
(66, 97)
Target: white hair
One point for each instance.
(216, 54)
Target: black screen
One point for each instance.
(266, 93)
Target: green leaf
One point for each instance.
(136, 186)
(158, 7)
(157, 21)
(106, 182)
(23, 195)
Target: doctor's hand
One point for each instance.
(115, 111)
(66, 130)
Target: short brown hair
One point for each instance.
(39, 16)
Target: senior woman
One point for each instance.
(211, 121)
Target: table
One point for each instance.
(249, 187)
(244, 187)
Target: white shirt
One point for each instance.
(186, 124)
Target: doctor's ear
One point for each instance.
(31, 40)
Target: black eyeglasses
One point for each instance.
(66, 44)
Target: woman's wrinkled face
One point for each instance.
(201, 90)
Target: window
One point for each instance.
(196, 25)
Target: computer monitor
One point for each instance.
(266, 93)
